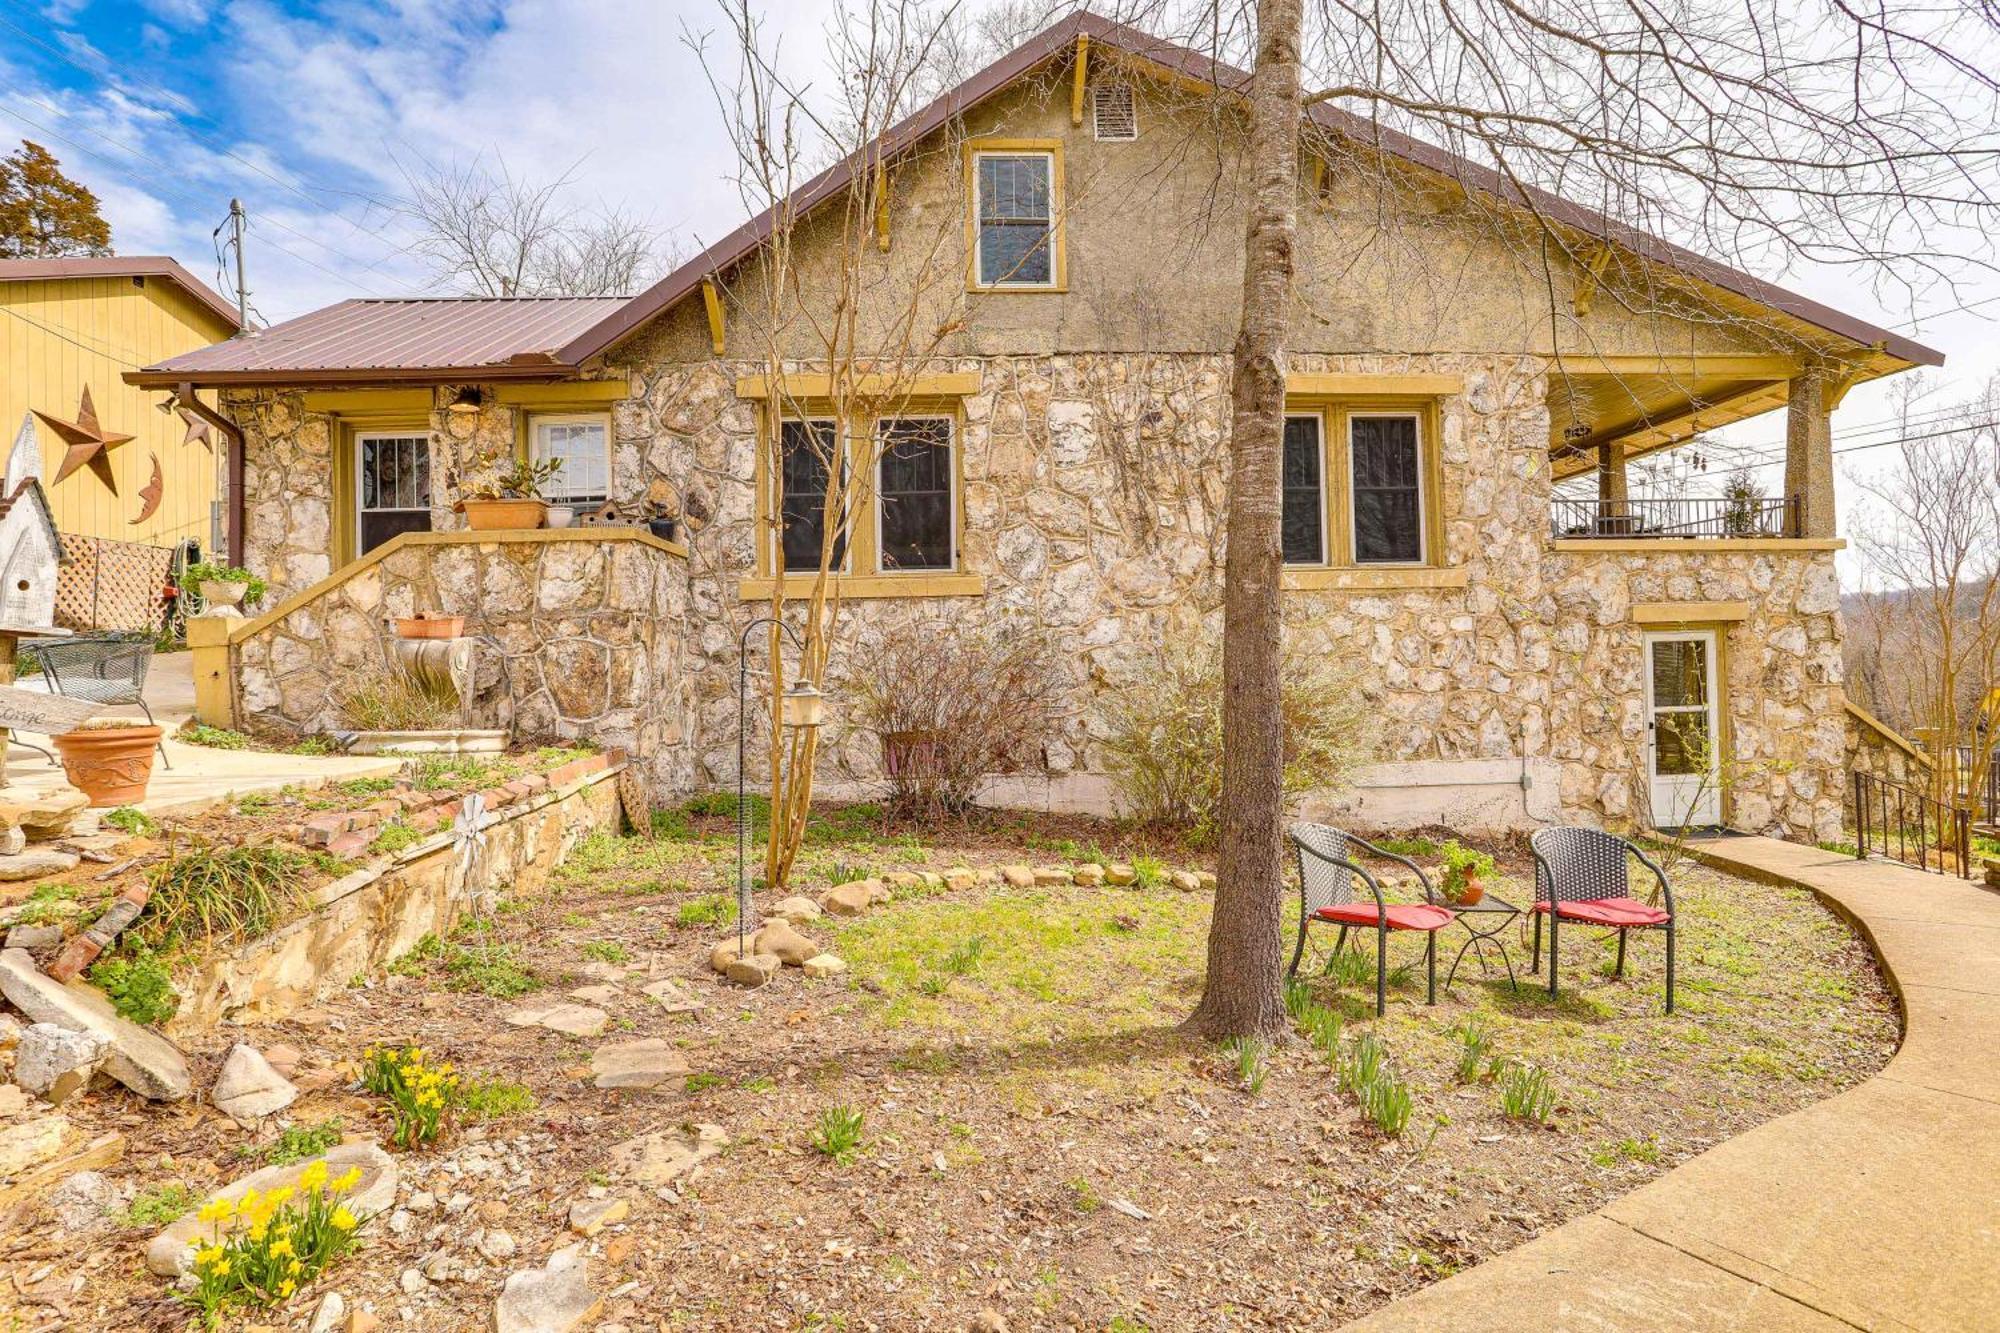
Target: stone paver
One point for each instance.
(1874, 1209)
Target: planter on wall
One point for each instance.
(222, 597)
(110, 765)
(504, 515)
(429, 627)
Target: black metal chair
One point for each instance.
(102, 669)
(1583, 875)
(1327, 874)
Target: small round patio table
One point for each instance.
(1485, 922)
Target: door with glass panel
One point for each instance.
(1683, 731)
(392, 487)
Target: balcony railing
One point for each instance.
(1782, 516)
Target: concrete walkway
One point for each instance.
(1875, 1209)
(200, 777)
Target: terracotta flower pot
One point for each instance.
(110, 765)
(504, 515)
(429, 627)
(1471, 892)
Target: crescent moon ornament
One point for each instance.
(151, 493)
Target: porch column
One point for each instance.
(1809, 453)
(1611, 492)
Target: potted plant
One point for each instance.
(224, 589)
(110, 759)
(508, 495)
(421, 626)
(561, 516)
(1465, 873)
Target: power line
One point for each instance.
(117, 354)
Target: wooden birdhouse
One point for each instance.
(30, 550)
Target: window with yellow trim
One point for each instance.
(906, 523)
(1360, 486)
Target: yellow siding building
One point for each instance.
(71, 324)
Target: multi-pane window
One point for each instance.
(1385, 478)
(393, 490)
(583, 446)
(1304, 522)
(914, 494)
(1015, 202)
(809, 449)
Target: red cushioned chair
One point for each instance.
(1585, 874)
(1326, 894)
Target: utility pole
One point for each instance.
(236, 221)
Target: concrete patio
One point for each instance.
(200, 776)
(1876, 1209)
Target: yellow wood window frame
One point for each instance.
(346, 433)
(525, 439)
(1337, 477)
(862, 576)
(973, 150)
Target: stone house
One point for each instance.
(1047, 284)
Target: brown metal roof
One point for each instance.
(119, 266)
(372, 340)
(1192, 64)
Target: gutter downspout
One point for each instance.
(233, 515)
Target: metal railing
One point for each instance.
(1906, 825)
(1780, 516)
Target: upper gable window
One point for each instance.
(1014, 205)
(1113, 117)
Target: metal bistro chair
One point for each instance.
(1583, 872)
(1326, 893)
(102, 670)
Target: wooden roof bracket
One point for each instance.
(1594, 264)
(712, 299)
(1838, 385)
(881, 206)
(1078, 79)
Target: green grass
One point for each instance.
(214, 894)
(47, 905)
(494, 1098)
(138, 984)
(215, 738)
(155, 1207)
(702, 1082)
(488, 969)
(838, 1133)
(711, 909)
(606, 951)
(396, 836)
(295, 1143)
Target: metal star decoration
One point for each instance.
(198, 430)
(88, 442)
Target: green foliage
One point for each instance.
(722, 805)
(672, 824)
(1165, 733)
(1461, 864)
(194, 576)
(380, 700)
(47, 905)
(933, 985)
(710, 909)
(1349, 967)
(1525, 1094)
(1298, 998)
(131, 819)
(1087, 1198)
(1361, 1063)
(702, 1082)
(315, 745)
(606, 951)
(286, 1239)
(1148, 872)
(1323, 1028)
(494, 1098)
(138, 984)
(1251, 1070)
(1411, 847)
(1475, 1048)
(1386, 1101)
(210, 895)
(395, 836)
(295, 1143)
(43, 213)
(154, 1208)
(489, 969)
(213, 738)
(255, 803)
(963, 960)
(838, 1133)
(421, 1096)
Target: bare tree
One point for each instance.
(1930, 535)
(487, 232)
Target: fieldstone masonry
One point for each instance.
(1093, 488)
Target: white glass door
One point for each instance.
(1683, 731)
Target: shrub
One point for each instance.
(421, 1096)
(838, 1134)
(286, 1239)
(213, 894)
(1165, 733)
(952, 706)
(1462, 864)
(394, 701)
(214, 738)
(138, 985)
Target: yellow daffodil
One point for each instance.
(221, 1269)
(281, 1247)
(286, 1288)
(248, 1203)
(347, 1180)
(343, 1220)
(208, 1256)
(216, 1210)
(313, 1179)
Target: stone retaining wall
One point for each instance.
(360, 922)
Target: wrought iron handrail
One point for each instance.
(1779, 516)
(1907, 825)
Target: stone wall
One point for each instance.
(1882, 754)
(584, 634)
(362, 921)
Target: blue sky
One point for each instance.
(167, 108)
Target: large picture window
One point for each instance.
(1304, 523)
(1386, 488)
(582, 444)
(808, 448)
(1015, 202)
(916, 516)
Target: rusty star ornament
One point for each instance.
(89, 443)
(198, 430)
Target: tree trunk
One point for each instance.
(1245, 952)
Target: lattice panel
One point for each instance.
(111, 584)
